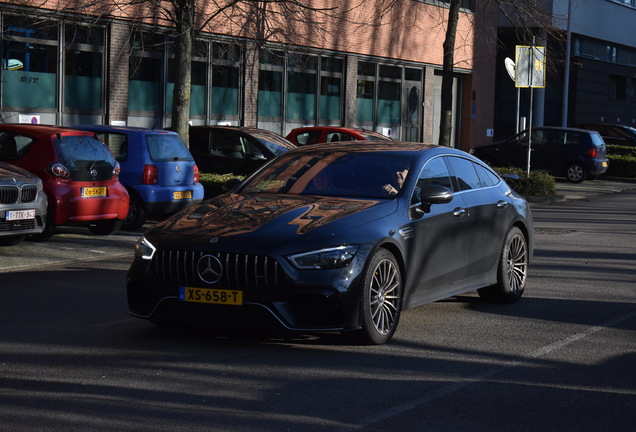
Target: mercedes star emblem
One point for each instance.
(209, 269)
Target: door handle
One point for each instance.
(459, 212)
(502, 204)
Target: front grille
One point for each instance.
(240, 271)
(29, 193)
(8, 226)
(10, 194)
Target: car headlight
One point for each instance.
(144, 249)
(330, 258)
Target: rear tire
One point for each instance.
(136, 215)
(576, 173)
(381, 302)
(105, 227)
(512, 271)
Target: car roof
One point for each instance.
(561, 128)
(41, 130)
(331, 128)
(372, 146)
(107, 128)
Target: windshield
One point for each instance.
(274, 143)
(167, 147)
(82, 154)
(337, 173)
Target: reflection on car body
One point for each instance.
(324, 134)
(347, 258)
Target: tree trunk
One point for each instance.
(184, 10)
(446, 120)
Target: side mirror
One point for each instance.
(430, 194)
(256, 156)
(509, 176)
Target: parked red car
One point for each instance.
(324, 134)
(79, 174)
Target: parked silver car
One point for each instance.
(22, 204)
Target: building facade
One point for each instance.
(370, 68)
(595, 83)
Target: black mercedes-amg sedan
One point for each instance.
(337, 238)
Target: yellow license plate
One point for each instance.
(182, 195)
(209, 295)
(95, 191)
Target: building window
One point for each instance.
(225, 80)
(611, 53)
(330, 90)
(29, 64)
(146, 71)
(197, 83)
(270, 85)
(617, 87)
(365, 94)
(83, 67)
(312, 87)
(301, 89)
(389, 95)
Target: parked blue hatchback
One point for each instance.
(157, 169)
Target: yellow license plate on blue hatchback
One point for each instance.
(90, 192)
(177, 195)
(211, 295)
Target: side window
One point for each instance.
(572, 138)
(539, 138)
(333, 137)
(307, 138)
(250, 147)
(521, 140)
(465, 173)
(487, 177)
(13, 146)
(435, 172)
(227, 144)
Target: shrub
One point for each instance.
(621, 166)
(540, 183)
(213, 183)
(622, 161)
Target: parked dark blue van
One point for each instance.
(157, 169)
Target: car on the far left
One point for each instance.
(22, 204)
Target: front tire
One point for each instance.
(512, 271)
(381, 302)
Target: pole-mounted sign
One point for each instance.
(530, 66)
(529, 73)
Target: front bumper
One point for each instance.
(309, 302)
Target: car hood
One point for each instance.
(8, 171)
(242, 220)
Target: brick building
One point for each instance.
(369, 67)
